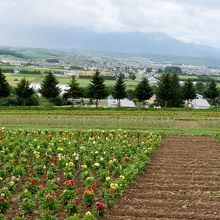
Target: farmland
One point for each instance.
(159, 121)
(85, 163)
(43, 173)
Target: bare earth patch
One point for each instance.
(181, 182)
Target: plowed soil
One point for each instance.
(181, 182)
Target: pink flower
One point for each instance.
(41, 186)
(24, 200)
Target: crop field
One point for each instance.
(87, 163)
(175, 122)
(45, 174)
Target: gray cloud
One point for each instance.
(189, 20)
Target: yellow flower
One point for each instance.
(84, 166)
(122, 177)
(110, 161)
(11, 183)
(114, 186)
(88, 213)
(108, 178)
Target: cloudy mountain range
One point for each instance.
(153, 43)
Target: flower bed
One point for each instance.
(49, 175)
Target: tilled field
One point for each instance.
(181, 182)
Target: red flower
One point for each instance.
(32, 182)
(93, 186)
(111, 191)
(2, 199)
(76, 202)
(69, 182)
(100, 206)
(53, 160)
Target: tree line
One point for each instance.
(168, 91)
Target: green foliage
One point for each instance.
(130, 94)
(97, 88)
(173, 70)
(132, 76)
(211, 91)
(200, 88)
(26, 202)
(4, 86)
(49, 87)
(119, 90)
(23, 90)
(169, 91)
(188, 90)
(143, 91)
(74, 90)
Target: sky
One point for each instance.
(195, 21)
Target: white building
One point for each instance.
(124, 103)
(199, 103)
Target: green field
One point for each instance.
(13, 79)
(158, 121)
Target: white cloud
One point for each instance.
(189, 20)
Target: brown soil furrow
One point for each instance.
(177, 195)
(186, 178)
(181, 182)
(172, 203)
(158, 214)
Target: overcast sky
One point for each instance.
(188, 20)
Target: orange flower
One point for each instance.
(89, 191)
(126, 159)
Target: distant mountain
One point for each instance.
(139, 43)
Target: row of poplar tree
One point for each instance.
(169, 92)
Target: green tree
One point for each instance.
(176, 93)
(49, 87)
(163, 91)
(211, 91)
(4, 86)
(74, 90)
(24, 91)
(173, 70)
(168, 91)
(97, 89)
(132, 76)
(143, 91)
(188, 91)
(200, 88)
(119, 90)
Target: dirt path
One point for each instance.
(181, 182)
